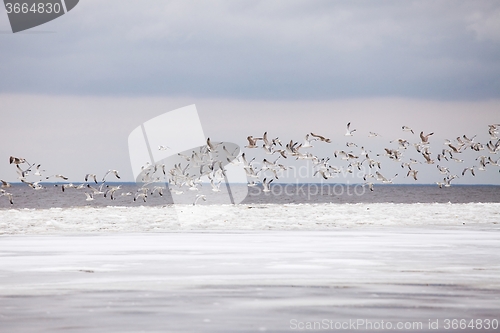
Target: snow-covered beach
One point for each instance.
(249, 268)
(246, 217)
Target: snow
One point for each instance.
(243, 217)
(246, 281)
(247, 268)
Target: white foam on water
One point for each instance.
(244, 217)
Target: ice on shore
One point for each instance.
(243, 217)
(247, 281)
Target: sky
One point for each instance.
(73, 89)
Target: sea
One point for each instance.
(52, 195)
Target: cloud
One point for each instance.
(485, 24)
(261, 50)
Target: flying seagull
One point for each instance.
(18, 160)
(198, 197)
(5, 184)
(349, 131)
(321, 138)
(425, 138)
(115, 172)
(8, 195)
(407, 129)
(91, 175)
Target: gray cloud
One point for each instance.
(261, 50)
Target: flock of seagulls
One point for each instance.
(206, 164)
(26, 171)
(371, 164)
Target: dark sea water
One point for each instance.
(52, 195)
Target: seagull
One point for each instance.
(91, 175)
(324, 173)
(89, 196)
(95, 190)
(364, 152)
(407, 129)
(266, 185)
(406, 164)
(349, 131)
(211, 146)
(58, 176)
(38, 171)
(215, 186)
(401, 142)
(492, 162)
(425, 138)
(493, 131)
(163, 147)
(140, 195)
(383, 179)
(471, 169)
(198, 197)
(65, 186)
(159, 189)
(321, 138)
(267, 145)
(8, 195)
(5, 184)
(18, 160)
(482, 163)
(443, 170)
(307, 142)
(252, 183)
(111, 191)
(453, 148)
(493, 147)
(447, 180)
(252, 142)
(427, 157)
(35, 185)
(373, 134)
(115, 172)
(413, 173)
(250, 171)
(21, 173)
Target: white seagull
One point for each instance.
(321, 138)
(5, 184)
(425, 138)
(91, 175)
(198, 197)
(407, 129)
(349, 131)
(8, 195)
(115, 172)
(266, 185)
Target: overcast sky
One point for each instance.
(72, 90)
